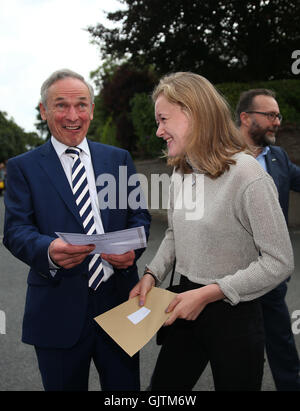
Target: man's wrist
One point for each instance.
(53, 265)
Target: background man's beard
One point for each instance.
(260, 137)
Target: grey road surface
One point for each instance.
(18, 365)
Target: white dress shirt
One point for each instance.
(66, 162)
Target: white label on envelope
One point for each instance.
(139, 315)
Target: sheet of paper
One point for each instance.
(116, 242)
(132, 336)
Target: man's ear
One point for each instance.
(245, 119)
(43, 111)
(92, 112)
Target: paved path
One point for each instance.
(19, 371)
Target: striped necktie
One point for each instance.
(83, 202)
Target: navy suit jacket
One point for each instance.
(39, 202)
(285, 174)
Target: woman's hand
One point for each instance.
(142, 288)
(190, 304)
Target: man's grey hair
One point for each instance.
(59, 75)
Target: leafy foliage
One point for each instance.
(117, 91)
(142, 114)
(42, 125)
(287, 95)
(220, 39)
(14, 140)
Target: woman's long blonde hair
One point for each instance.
(214, 138)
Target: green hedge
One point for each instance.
(287, 95)
(142, 110)
(148, 145)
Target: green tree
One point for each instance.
(14, 140)
(220, 39)
(42, 125)
(102, 128)
(118, 88)
(142, 113)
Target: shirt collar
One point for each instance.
(265, 151)
(60, 148)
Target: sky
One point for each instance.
(38, 37)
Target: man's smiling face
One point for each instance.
(69, 110)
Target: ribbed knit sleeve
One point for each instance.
(259, 212)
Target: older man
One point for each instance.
(259, 118)
(53, 189)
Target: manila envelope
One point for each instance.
(132, 335)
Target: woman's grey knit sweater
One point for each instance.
(236, 236)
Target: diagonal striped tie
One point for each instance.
(83, 202)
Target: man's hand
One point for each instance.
(120, 261)
(68, 255)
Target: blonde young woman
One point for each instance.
(237, 250)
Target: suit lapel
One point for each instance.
(271, 161)
(51, 164)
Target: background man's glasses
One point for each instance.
(271, 116)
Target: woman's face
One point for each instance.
(173, 125)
